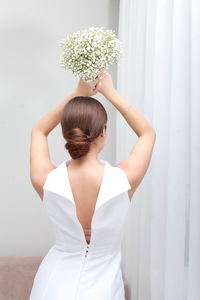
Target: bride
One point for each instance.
(87, 198)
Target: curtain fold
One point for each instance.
(159, 75)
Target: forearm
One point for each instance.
(135, 120)
(52, 118)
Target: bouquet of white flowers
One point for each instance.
(89, 51)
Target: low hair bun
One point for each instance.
(78, 143)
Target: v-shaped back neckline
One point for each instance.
(66, 163)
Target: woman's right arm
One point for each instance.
(137, 162)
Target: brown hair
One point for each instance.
(82, 120)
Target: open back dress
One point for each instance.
(74, 269)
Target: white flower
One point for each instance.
(87, 51)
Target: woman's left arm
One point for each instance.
(40, 162)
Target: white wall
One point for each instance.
(32, 82)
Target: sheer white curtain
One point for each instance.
(160, 76)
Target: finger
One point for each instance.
(103, 76)
(98, 85)
(95, 82)
(103, 70)
(105, 73)
(101, 73)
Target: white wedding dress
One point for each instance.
(73, 269)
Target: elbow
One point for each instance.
(36, 129)
(152, 131)
(152, 134)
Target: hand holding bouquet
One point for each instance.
(103, 84)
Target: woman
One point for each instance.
(86, 198)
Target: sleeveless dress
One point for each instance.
(72, 269)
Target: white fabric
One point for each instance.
(160, 76)
(72, 268)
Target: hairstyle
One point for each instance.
(82, 121)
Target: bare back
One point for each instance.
(85, 185)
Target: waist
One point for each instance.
(81, 249)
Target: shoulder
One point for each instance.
(45, 178)
(119, 177)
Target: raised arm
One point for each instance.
(137, 162)
(40, 162)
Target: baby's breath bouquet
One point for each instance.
(89, 51)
